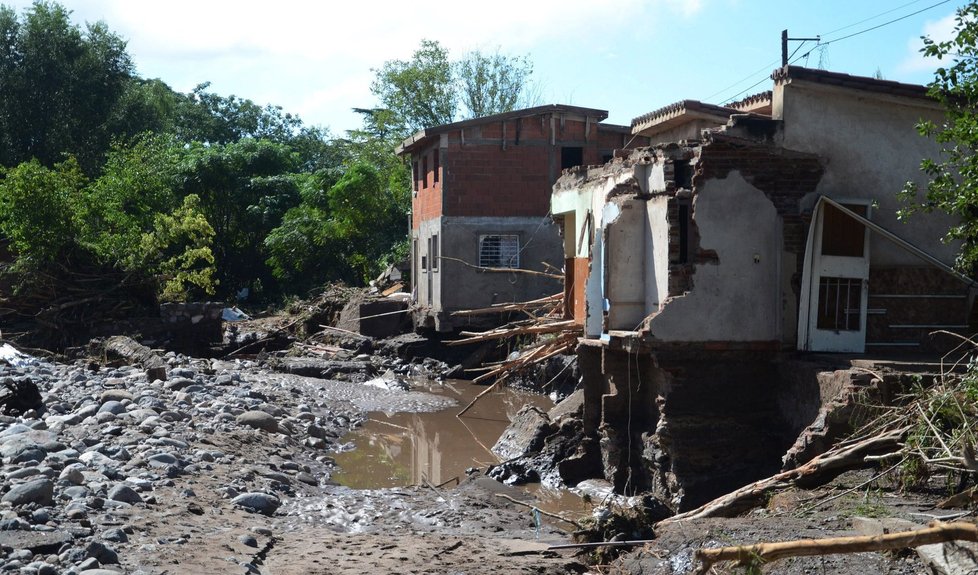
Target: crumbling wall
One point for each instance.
(688, 425)
(192, 327)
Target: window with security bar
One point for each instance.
(839, 301)
(500, 251)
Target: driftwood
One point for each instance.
(760, 553)
(535, 329)
(825, 466)
(507, 307)
(130, 351)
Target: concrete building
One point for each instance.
(746, 232)
(481, 205)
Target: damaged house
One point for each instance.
(697, 264)
(481, 205)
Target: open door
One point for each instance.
(836, 278)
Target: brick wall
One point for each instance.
(427, 193)
(505, 168)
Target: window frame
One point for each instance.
(496, 256)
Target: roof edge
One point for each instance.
(411, 141)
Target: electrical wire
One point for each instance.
(863, 21)
(826, 43)
(884, 23)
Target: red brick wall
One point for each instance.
(505, 168)
(427, 197)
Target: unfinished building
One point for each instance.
(481, 205)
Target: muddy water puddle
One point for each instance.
(436, 448)
(397, 449)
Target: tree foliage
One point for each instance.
(37, 207)
(59, 86)
(953, 186)
(419, 91)
(196, 193)
(424, 91)
(492, 83)
(343, 228)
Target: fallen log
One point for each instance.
(132, 352)
(760, 553)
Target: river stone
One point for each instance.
(258, 420)
(30, 454)
(40, 491)
(117, 395)
(37, 541)
(102, 553)
(113, 407)
(162, 459)
(125, 494)
(115, 535)
(179, 383)
(259, 502)
(73, 474)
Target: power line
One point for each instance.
(826, 43)
(762, 80)
(890, 11)
(885, 23)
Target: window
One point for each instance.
(499, 251)
(571, 156)
(684, 221)
(424, 172)
(842, 235)
(414, 172)
(839, 303)
(435, 163)
(433, 252)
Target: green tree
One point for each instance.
(343, 229)
(214, 119)
(953, 186)
(177, 250)
(58, 86)
(136, 185)
(419, 91)
(37, 207)
(493, 83)
(245, 188)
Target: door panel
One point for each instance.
(839, 280)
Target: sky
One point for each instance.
(629, 57)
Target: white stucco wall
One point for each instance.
(738, 298)
(871, 149)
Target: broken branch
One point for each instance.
(504, 270)
(767, 552)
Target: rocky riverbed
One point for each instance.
(225, 467)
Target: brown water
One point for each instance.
(398, 449)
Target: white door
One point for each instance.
(839, 279)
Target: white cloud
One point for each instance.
(939, 31)
(311, 56)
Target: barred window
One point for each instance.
(499, 251)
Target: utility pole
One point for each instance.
(784, 45)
